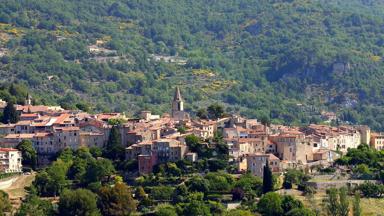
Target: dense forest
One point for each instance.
(259, 58)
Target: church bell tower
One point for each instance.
(177, 103)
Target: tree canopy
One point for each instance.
(78, 202)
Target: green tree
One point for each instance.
(28, 152)
(198, 184)
(237, 194)
(238, 212)
(10, 114)
(332, 202)
(370, 189)
(196, 207)
(52, 180)
(193, 142)
(344, 202)
(96, 152)
(362, 171)
(66, 155)
(140, 193)
(251, 185)
(202, 114)
(181, 129)
(80, 202)
(180, 193)
(215, 111)
(99, 170)
(219, 181)
(289, 202)
(33, 205)
(116, 200)
(162, 193)
(267, 179)
(301, 212)
(114, 149)
(293, 176)
(357, 211)
(270, 204)
(172, 169)
(5, 205)
(78, 169)
(165, 210)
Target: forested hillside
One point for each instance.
(260, 58)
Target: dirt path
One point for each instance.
(16, 190)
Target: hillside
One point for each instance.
(257, 57)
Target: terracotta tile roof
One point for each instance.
(205, 122)
(7, 125)
(67, 128)
(29, 115)
(241, 129)
(62, 118)
(106, 116)
(32, 109)
(249, 140)
(91, 134)
(26, 122)
(270, 156)
(7, 149)
(19, 136)
(43, 134)
(92, 122)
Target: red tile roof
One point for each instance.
(7, 149)
(19, 136)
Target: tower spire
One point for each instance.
(177, 96)
(28, 100)
(177, 103)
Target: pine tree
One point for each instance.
(267, 179)
(114, 149)
(10, 114)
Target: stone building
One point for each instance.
(10, 160)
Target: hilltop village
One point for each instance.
(153, 139)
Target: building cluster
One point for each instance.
(153, 139)
(253, 144)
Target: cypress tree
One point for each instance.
(356, 205)
(344, 202)
(114, 149)
(10, 114)
(332, 203)
(267, 178)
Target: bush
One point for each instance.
(287, 185)
(270, 204)
(162, 192)
(237, 194)
(369, 189)
(328, 170)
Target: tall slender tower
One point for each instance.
(177, 103)
(28, 100)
